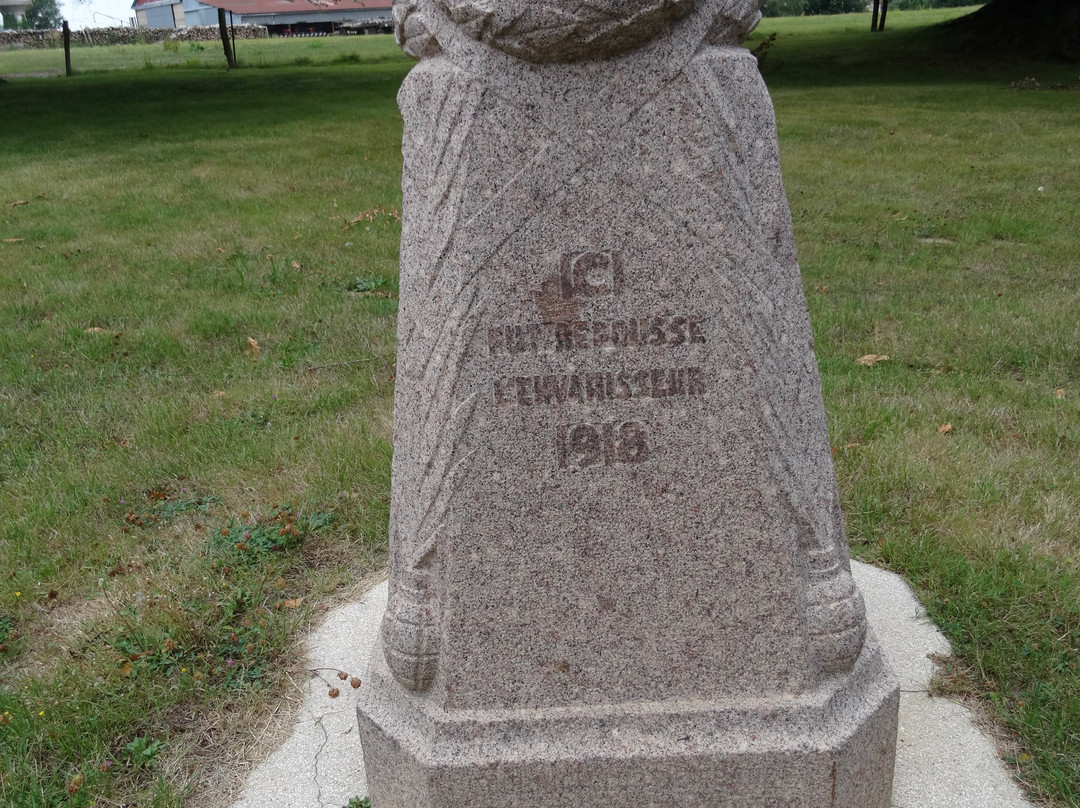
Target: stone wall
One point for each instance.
(124, 36)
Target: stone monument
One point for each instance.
(618, 572)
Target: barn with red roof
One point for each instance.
(281, 17)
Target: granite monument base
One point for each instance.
(831, 747)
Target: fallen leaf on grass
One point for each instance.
(19, 203)
(291, 603)
(94, 330)
(12, 240)
(1059, 393)
(253, 345)
(75, 784)
(944, 429)
(126, 670)
(871, 359)
(371, 214)
(295, 265)
(218, 393)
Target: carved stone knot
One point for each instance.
(564, 30)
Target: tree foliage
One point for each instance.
(43, 14)
(796, 8)
(915, 5)
(782, 8)
(1033, 28)
(833, 6)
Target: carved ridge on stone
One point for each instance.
(553, 32)
(429, 467)
(836, 617)
(410, 630)
(734, 23)
(411, 30)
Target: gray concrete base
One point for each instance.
(943, 760)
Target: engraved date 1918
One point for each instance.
(581, 445)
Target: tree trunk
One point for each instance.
(884, 12)
(224, 29)
(1035, 28)
(873, 20)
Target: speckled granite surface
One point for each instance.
(618, 572)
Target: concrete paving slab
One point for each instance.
(906, 634)
(321, 765)
(943, 760)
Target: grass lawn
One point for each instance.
(260, 53)
(196, 363)
(197, 299)
(935, 214)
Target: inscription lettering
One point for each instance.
(592, 388)
(580, 335)
(583, 445)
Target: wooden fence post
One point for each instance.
(232, 32)
(67, 48)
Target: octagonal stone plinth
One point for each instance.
(833, 746)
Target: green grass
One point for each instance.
(170, 218)
(186, 211)
(278, 52)
(934, 210)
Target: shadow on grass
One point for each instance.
(129, 107)
(183, 104)
(925, 55)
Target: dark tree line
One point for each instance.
(795, 8)
(1037, 28)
